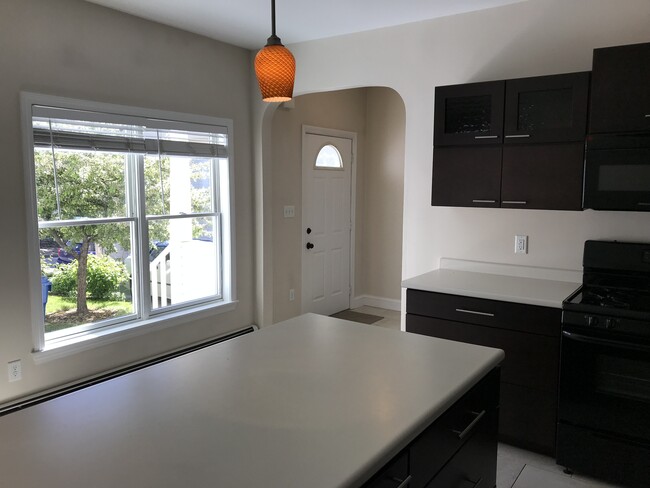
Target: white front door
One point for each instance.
(326, 220)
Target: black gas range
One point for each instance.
(604, 406)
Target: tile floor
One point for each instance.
(391, 318)
(516, 468)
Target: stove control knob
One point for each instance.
(610, 323)
(592, 321)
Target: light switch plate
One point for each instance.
(289, 211)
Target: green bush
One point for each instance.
(64, 280)
(104, 278)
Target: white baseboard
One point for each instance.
(379, 302)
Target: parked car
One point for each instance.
(65, 257)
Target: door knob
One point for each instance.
(310, 245)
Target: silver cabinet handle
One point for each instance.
(515, 202)
(402, 483)
(487, 314)
(484, 201)
(644, 204)
(492, 137)
(468, 429)
(517, 136)
(647, 116)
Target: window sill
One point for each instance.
(67, 347)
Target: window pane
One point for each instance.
(183, 260)
(177, 185)
(80, 184)
(329, 157)
(107, 274)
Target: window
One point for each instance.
(132, 216)
(329, 157)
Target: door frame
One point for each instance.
(339, 134)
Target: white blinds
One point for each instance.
(83, 130)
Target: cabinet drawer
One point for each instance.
(528, 418)
(474, 413)
(531, 360)
(473, 466)
(395, 475)
(505, 315)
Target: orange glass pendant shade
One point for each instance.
(275, 68)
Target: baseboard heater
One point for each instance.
(44, 397)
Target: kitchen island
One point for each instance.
(309, 402)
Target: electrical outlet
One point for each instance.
(15, 370)
(521, 244)
(292, 295)
(289, 211)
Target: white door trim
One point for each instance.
(321, 131)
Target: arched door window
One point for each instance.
(329, 158)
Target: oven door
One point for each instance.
(617, 179)
(605, 383)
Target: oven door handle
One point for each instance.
(605, 342)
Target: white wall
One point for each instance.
(526, 39)
(76, 49)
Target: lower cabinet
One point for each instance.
(530, 337)
(461, 445)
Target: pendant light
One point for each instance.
(275, 67)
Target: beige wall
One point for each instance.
(376, 115)
(344, 110)
(525, 39)
(383, 177)
(76, 49)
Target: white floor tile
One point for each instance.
(532, 477)
(391, 318)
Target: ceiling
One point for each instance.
(247, 23)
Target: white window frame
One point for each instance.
(47, 350)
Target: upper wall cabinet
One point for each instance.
(620, 93)
(537, 164)
(469, 114)
(546, 108)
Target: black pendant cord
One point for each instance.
(273, 40)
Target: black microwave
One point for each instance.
(617, 172)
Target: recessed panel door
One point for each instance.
(326, 223)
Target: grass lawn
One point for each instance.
(60, 312)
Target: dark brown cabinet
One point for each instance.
(467, 176)
(542, 176)
(546, 108)
(530, 337)
(469, 114)
(532, 158)
(461, 443)
(620, 89)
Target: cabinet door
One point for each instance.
(531, 360)
(620, 89)
(471, 113)
(466, 176)
(542, 176)
(546, 108)
(519, 405)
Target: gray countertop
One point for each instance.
(312, 401)
(532, 290)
